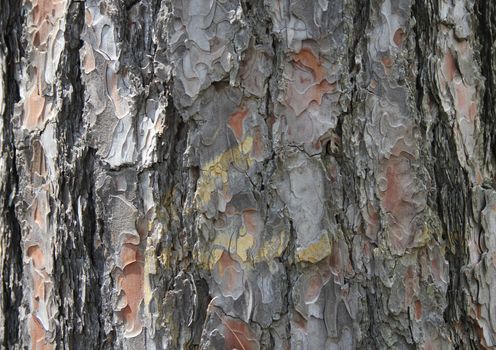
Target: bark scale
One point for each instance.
(247, 174)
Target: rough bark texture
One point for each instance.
(234, 174)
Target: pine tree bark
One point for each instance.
(248, 174)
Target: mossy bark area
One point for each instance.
(283, 174)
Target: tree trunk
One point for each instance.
(234, 174)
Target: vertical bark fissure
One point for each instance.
(79, 320)
(251, 173)
(12, 289)
(486, 15)
(451, 183)
(452, 192)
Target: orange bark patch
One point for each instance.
(37, 333)
(129, 254)
(387, 61)
(308, 81)
(235, 122)
(399, 36)
(132, 282)
(308, 59)
(37, 256)
(238, 335)
(35, 253)
(418, 310)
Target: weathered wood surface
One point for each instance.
(233, 174)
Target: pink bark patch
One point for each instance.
(34, 107)
(449, 66)
(410, 281)
(252, 222)
(313, 289)
(38, 275)
(465, 106)
(258, 145)
(44, 11)
(402, 200)
(228, 271)
(37, 215)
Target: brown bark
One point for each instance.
(247, 174)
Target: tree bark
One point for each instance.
(248, 174)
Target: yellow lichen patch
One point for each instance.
(208, 258)
(273, 248)
(423, 237)
(222, 242)
(244, 244)
(216, 254)
(150, 269)
(215, 173)
(315, 251)
(164, 257)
